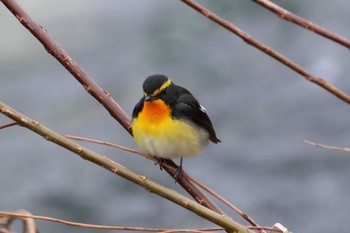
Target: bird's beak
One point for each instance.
(149, 98)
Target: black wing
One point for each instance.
(187, 106)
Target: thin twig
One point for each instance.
(286, 15)
(226, 202)
(264, 48)
(150, 185)
(103, 227)
(97, 92)
(110, 144)
(122, 228)
(344, 149)
(6, 220)
(28, 223)
(8, 125)
(184, 174)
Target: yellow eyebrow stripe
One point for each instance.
(159, 90)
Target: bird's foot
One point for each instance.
(160, 162)
(178, 171)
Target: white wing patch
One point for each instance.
(202, 108)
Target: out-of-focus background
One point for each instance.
(261, 111)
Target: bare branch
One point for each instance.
(27, 215)
(110, 144)
(8, 125)
(327, 147)
(286, 15)
(28, 224)
(264, 48)
(56, 51)
(226, 202)
(106, 163)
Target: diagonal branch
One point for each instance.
(264, 48)
(56, 51)
(226, 202)
(151, 186)
(286, 15)
(97, 92)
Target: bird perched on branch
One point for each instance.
(168, 122)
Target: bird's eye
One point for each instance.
(162, 92)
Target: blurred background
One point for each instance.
(261, 111)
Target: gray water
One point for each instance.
(261, 111)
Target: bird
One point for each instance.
(168, 122)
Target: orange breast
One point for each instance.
(154, 112)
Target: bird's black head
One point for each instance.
(155, 84)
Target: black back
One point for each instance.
(188, 107)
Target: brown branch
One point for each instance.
(98, 93)
(110, 144)
(264, 48)
(8, 125)
(327, 147)
(110, 165)
(286, 15)
(56, 51)
(121, 228)
(28, 224)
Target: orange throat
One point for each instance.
(154, 111)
